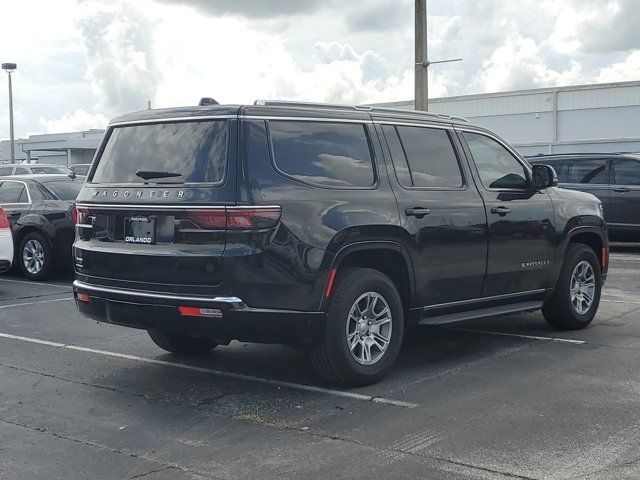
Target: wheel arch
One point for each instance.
(593, 237)
(389, 258)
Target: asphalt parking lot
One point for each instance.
(498, 398)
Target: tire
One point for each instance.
(182, 344)
(35, 256)
(560, 310)
(331, 356)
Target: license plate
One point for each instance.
(140, 230)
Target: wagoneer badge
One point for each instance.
(139, 193)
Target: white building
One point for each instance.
(56, 148)
(586, 118)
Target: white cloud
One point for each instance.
(107, 57)
(601, 26)
(618, 72)
(518, 64)
(76, 121)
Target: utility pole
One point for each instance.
(421, 72)
(422, 61)
(10, 68)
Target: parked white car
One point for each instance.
(6, 243)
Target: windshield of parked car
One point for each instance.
(50, 169)
(64, 190)
(192, 152)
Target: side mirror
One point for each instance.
(544, 176)
(72, 175)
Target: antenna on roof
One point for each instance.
(206, 101)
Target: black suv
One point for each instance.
(612, 177)
(338, 228)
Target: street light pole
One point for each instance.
(421, 73)
(10, 68)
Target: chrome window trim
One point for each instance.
(171, 119)
(135, 293)
(410, 124)
(370, 121)
(26, 188)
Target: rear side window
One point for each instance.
(626, 172)
(429, 158)
(594, 171)
(6, 170)
(322, 153)
(13, 192)
(21, 171)
(64, 190)
(184, 152)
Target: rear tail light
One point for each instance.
(79, 215)
(236, 218)
(209, 219)
(4, 221)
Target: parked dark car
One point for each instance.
(41, 212)
(80, 168)
(35, 169)
(614, 178)
(339, 228)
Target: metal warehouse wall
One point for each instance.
(586, 118)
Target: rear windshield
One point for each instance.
(64, 190)
(47, 170)
(185, 152)
(81, 169)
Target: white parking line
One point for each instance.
(530, 337)
(611, 300)
(220, 373)
(68, 287)
(13, 305)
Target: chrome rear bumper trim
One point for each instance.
(234, 301)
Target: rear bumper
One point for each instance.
(233, 319)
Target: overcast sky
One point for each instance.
(81, 62)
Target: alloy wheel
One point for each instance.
(33, 256)
(369, 328)
(583, 287)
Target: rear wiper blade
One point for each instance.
(149, 174)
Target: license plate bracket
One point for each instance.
(140, 229)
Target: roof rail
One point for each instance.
(366, 108)
(415, 112)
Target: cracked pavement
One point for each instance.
(82, 400)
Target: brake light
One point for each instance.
(256, 218)
(4, 221)
(236, 218)
(79, 215)
(208, 219)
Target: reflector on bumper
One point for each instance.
(200, 312)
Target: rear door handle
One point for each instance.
(418, 212)
(621, 189)
(502, 211)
